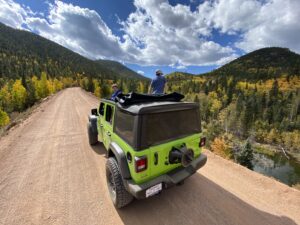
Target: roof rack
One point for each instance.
(135, 98)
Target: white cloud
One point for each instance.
(12, 13)
(259, 23)
(79, 29)
(141, 72)
(169, 35)
(279, 26)
(180, 67)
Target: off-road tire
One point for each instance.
(119, 195)
(93, 137)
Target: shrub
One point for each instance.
(4, 119)
(220, 147)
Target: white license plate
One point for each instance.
(153, 190)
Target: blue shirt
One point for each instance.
(158, 85)
(115, 94)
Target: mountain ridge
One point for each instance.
(25, 53)
(261, 64)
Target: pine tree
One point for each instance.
(246, 156)
(206, 89)
(90, 86)
(31, 99)
(275, 90)
(247, 117)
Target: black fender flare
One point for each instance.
(121, 159)
(93, 122)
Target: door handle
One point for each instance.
(101, 125)
(155, 158)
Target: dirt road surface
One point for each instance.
(50, 175)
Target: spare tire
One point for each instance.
(93, 136)
(181, 155)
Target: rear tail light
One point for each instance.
(202, 142)
(140, 163)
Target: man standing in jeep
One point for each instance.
(157, 85)
(116, 92)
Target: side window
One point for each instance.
(101, 109)
(109, 114)
(124, 126)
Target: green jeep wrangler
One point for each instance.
(152, 143)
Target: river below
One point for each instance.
(277, 166)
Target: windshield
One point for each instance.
(166, 126)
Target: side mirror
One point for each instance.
(94, 112)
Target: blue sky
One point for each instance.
(193, 36)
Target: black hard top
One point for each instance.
(135, 103)
(157, 107)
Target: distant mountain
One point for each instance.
(178, 76)
(25, 53)
(261, 64)
(118, 68)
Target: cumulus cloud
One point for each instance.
(79, 29)
(158, 33)
(141, 72)
(259, 23)
(168, 35)
(279, 26)
(12, 13)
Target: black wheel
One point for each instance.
(93, 137)
(180, 183)
(119, 195)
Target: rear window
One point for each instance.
(161, 127)
(124, 124)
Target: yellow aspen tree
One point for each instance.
(18, 95)
(57, 85)
(4, 119)
(97, 89)
(43, 86)
(35, 83)
(5, 99)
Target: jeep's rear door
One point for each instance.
(108, 124)
(100, 121)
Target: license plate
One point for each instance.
(153, 190)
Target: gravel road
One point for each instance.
(50, 175)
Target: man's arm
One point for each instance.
(165, 81)
(150, 88)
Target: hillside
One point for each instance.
(118, 68)
(25, 53)
(258, 69)
(180, 75)
(261, 64)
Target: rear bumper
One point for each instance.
(168, 180)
